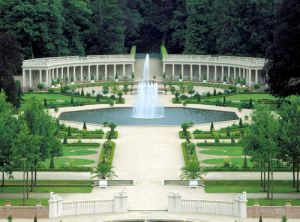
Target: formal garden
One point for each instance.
(221, 76)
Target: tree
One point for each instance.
(45, 103)
(72, 100)
(69, 131)
(42, 125)
(37, 25)
(282, 67)
(82, 92)
(107, 28)
(240, 123)
(120, 94)
(261, 143)
(103, 171)
(76, 15)
(177, 94)
(8, 130)
(289, 137)
(212, 128)
(185, 126)
(112, 127)
(84, 126)
(25, 151)
(10, 64)
(192, 170)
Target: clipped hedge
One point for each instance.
(183, 136)
(114, 136)
(111, 156)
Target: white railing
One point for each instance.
(237, 207)
(60, 208)
(87, 207)
(208, 207)
(64, 60)
(232, 60)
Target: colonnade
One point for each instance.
(214, 69)
(76, 69)
(196, 72)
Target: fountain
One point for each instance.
(147, 105)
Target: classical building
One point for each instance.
(213, 68)
(76, 69)
(174, 67)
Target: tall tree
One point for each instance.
(290, 137)
(76, 14)
(41, 124)
(200, 24)
(261, 143)
(8, 131)
(37, 25)
(283, 68)
(10, 63)
(107, 28)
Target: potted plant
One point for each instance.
(193, 172)
(103, 173)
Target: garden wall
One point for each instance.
(273, 211)
(24, 212)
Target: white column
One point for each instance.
(234, 73)
(115, 72)
(23, 78)
(191, 72)
(215, 74)
(256, 76)
(81, 73)
(97, 72)
(89, 73)
(40, 76)
(182, 71)
(200, 73)
(173, 71)
(105, 72)
(222, 74)
(133, 67)
(123, 71)
(74, 73)
(30, 78)
(47, 77)
(68, 73)
(249, 74)
(207, 76)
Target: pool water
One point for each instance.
(123, 116)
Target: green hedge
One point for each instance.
(182, 136)
(163, 51)
(114, 136)
(185, 154)
(111, 156)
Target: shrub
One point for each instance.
(284, 219)
(45, 103)
(88, 94)
(35, 219)
(215, 92)
(212, 128)
(84, 126)
(65, 141)
(82, 92)
(113, 97)
(69, 131)
(245, 164)
(72, 100)
(260, 219)
(98, 98)
(50, 90)
(41, 86)
(241, 123)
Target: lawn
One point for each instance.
(222, 150)
(250, 186)
(55, 97)
(274, 202)
(68, 162)
(70, 150)
(29, 202)
(45, 186)
(237, 162)
(74, 150)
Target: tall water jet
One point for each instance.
(147, 105)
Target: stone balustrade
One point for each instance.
(60, 208)
(76, 69)
(214, 68)
(236, 208)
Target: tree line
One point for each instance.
(273, 140)
(27, 139)
(79, 27)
